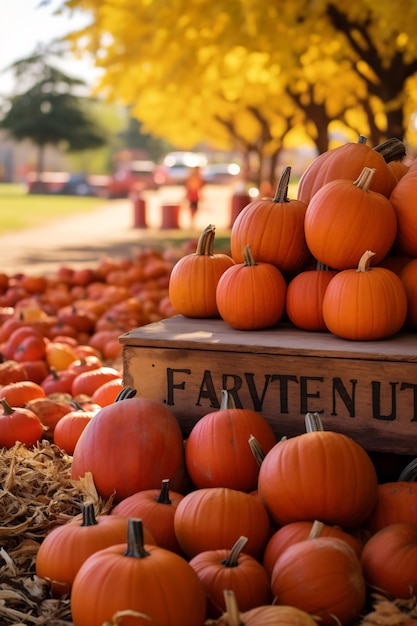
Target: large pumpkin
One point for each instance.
(217, 452)
(344, 218)
(319, 475)
(139, 584)
(323, 577)
(396, 502)
(389, 560)
(348, 161)
(403, 200)
(274, 229)
(130, 445)
(366, 303)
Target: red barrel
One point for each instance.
(139, 211)
(238, 203)
(170, 216)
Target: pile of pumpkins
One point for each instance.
(342, 257)
(230, 527)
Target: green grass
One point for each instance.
(20, 210)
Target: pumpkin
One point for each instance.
(396, 502)
(318, 475)
(365, 304)
(347, 161)
(251, 295)
(408, 275)
(402, 199)
(217, 453)
(66, 547)
(18, 424)
(389, 560)
(120, 445)
(108, 391)
(293, 532)
(232, 569)
(194, 278)
(156, 508)
(21, 392)
(304, 299)
(267, 615)
(210, 518)
(323, 577)
(12, 372)
(344, 218)
(138, 583)
(68, 429)
(50, 410)
(274, 229)
(88, 382)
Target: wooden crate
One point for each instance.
(367, 390)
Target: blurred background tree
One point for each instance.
(257, 76)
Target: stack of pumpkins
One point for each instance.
(340, 258)
(212, 533)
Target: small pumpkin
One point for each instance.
(304, 299)
(251, 295)
(18, 424)
(368, 303)
(194, 278)
(232, 569)
(139, 581)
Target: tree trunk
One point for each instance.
(39, 185)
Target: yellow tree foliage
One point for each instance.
(244, 73)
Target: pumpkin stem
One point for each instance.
(364, 264)
(409, 472)
(316, 530)
(7, 409)
(313, 423)
(125, 393)
(163, 497)
(365, 177)
(281, 192)
(232, 615)
(205, 244)
(362, 139)
(89, 518)
(392, 150)
(135, 543)
(232, 559)
(248, 259)
(227, 400)
(256, 450)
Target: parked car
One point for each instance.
(64, 183)
(220, 173)
(176, 166)
(131, 176)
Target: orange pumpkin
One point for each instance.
(347, 162)
(194, 278)
(137, 582)
(207, 519)
(156, 508)
(396, 502)
(304, 299)
(18, 394)
(251, 295)
(232, 569)
(69, 428)
(18, 424)
(344, 218)
(402, 200)
(274, 229)
(389, 560)
(365, 303)
(318, 475)
(217, 453)
(323, 577)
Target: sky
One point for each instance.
(26, 23)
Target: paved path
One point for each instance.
(81, 240)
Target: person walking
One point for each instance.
(194, 185)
